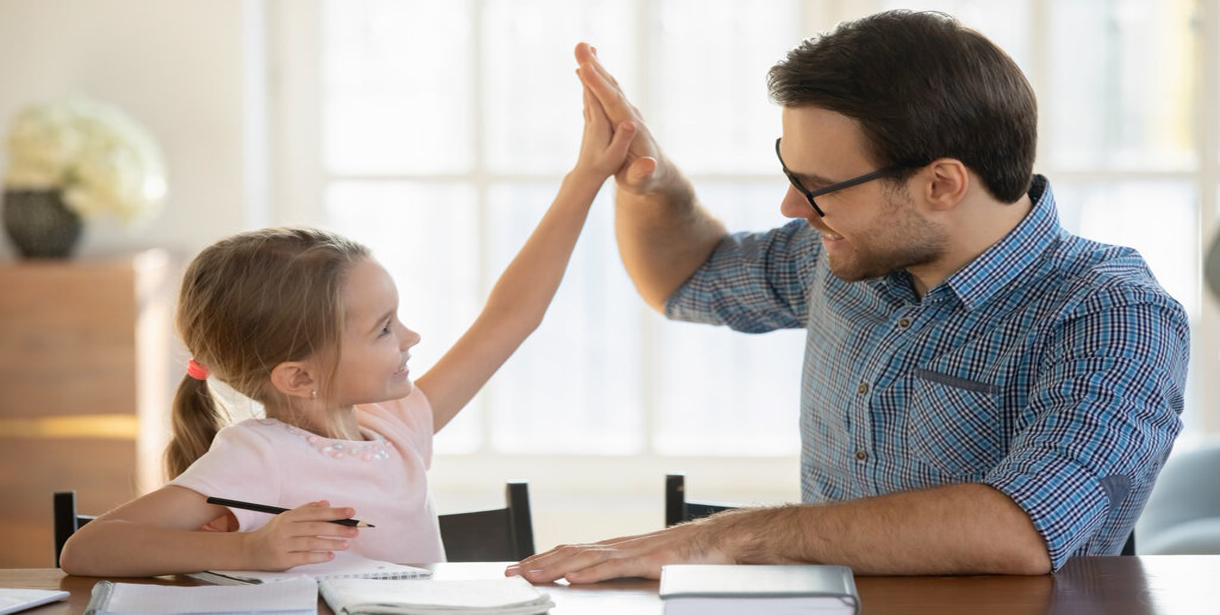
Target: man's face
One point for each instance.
(869, 229)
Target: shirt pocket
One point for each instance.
(954, 423)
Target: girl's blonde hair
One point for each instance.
(249, 303)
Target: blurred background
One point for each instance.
(438, 132)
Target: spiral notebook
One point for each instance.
(346, 565)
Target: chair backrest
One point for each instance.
(499, 535)
(502, 534)
(678, 509)
(65, 519)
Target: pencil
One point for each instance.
(275, 510)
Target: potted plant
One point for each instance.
(74, 161)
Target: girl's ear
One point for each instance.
(294, 379)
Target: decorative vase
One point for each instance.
(39, 224)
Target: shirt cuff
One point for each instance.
(1063, 499)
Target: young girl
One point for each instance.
(306, 323)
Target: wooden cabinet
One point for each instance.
(84, 390)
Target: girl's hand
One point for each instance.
(603, 149)
(302, 535)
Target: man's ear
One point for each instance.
(948, 180)
(295, 379)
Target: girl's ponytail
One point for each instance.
(195, 419)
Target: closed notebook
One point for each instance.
(298, 596)
(345, 565)
(498, 596)
(766, 590)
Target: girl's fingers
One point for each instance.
(301, 558)
(622, 140)
(320, 512)
(317, 543)
(323, 528)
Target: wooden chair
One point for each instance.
(678, 509)
(501, 534)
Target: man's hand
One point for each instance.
(639, 173)
(630, 556)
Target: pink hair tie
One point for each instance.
(196, 371)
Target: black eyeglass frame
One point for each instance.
(855, 181)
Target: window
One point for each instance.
(441, 131)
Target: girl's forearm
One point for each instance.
(525, 289)
(123, 548)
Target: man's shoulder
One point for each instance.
(1090, 275)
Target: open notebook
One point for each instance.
(346, 565)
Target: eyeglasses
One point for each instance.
(855, 181)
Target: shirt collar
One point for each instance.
(980, 279)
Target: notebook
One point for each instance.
(498, 596)
(298, 596)
(345, 565)
(770, 590)
(13, 600)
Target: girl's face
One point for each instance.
(373, 361)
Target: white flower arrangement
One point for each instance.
(102, 162)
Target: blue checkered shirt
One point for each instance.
(1050, 368)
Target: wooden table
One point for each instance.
(1167, 584)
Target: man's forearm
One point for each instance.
(663, 237)
(957, 529)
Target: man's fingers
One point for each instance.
(564, 561)
(584, 52)
(608, 95)
(613, 569)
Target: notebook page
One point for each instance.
(299, 595)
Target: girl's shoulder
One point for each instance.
(254, 433)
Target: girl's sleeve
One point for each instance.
(240, 465)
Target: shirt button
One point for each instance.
(863, 388)
(862, 455)
(904, 323)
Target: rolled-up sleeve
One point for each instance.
(1102, 417)
(752, 282)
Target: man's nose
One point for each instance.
(795, 205)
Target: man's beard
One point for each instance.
(905, 240)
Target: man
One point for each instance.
(983, 392)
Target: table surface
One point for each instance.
(1086, 585)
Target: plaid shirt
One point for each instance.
(1050, 368)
